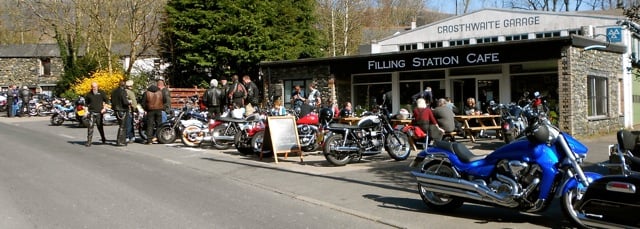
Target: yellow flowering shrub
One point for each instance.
(106, 82)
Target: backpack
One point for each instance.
(239, 91)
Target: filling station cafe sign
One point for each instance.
(434, 61)
(497, 54)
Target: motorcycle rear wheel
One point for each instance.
(332, 156)
(220, 144)
(56, 120)
(438, 201)
(398, 150)
(569, 201)
(257, 140)
(166, 135)
(192, 136)
(42, 111)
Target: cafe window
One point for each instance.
(45, 66)
(288, 88)
(368, 91)
(597, 96)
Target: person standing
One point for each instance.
(224, 88)
(120, 105)
(314, 99)
(12, 101)
(297, 98)
(212, 99)
(166, 99)
(133, 104)
(253, 94)
(25, 95)
(237, 93)
(152, 101)
(427, 95)
(95, 100)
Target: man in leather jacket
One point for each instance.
(152, 100)
(213, 98)
(120, 105)
(95, 101)
(25, 95)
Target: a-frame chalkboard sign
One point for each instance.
(281, 136)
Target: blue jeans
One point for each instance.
(164, 117)
(130, 132)
(14, 109)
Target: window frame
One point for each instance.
(597, 97)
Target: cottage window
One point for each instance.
(45, 67)
(597, 96)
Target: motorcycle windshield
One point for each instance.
(576, 146)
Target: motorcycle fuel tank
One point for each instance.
(309, 119)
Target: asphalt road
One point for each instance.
(50, 180)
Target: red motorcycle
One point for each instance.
(249, 139)
(308, 131)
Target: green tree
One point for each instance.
(232, 36)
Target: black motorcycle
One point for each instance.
(349, 143)
(513, 121)
(613, 201)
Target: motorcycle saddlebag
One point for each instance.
(615, 199)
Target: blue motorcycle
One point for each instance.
(524, 175)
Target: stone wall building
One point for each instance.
(37, 66)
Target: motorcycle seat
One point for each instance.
(228, 119)
(460, 150)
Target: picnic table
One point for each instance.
(480, 122)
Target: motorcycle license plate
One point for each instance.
(81, 113)
(417, 161)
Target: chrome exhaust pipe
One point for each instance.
(461, 188)
(345, 148)
(225, 138)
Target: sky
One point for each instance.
(449, 6)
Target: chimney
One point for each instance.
(413, 25)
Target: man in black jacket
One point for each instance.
(253, 95)
(120, 105)
(95, 101)
(213, 98)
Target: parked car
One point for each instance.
(3, 102)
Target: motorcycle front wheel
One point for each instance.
(568, 204)
(439, 201)
(57, 120)
(166, 135)
(333, 156)
(192, 136)
(398, 148)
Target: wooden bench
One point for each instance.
(449, 136)
(479, 128)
